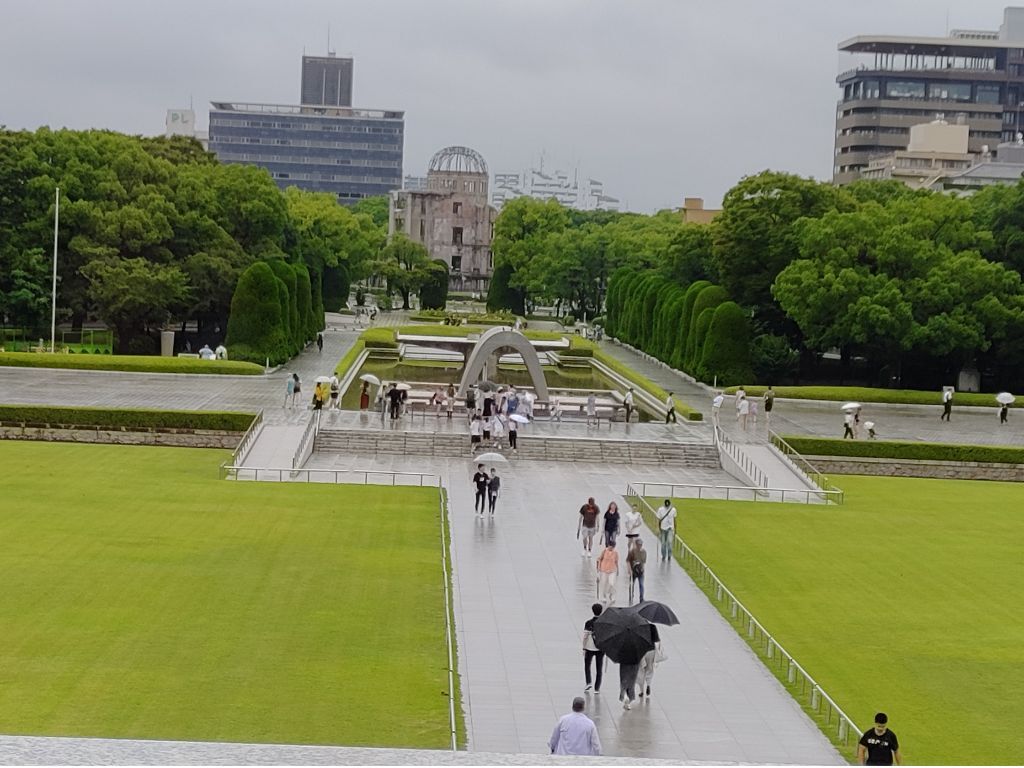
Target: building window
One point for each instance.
(456, 235)
(456, 263)
(456, 208)
(901, 89)
(987, 94)
(490, 260)
(423, 207)
(423, 231)
(950, 91)
(400, 225)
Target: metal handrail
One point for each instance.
(756, 634)
(740, 492)
(753, 471)
(309, 434)
(238, 456)
(802, 465)
(334, 476)
(448, 630)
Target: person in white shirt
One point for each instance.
(716, 407)
(666, 528)
(556, 409)
(528, 400)
(742, 409)
(497, 430)
(670, 409)
(575, 733)
(628, 402)
(631, 524)
(206, 353)
(475, 429)
(221, 352)
(335, 392)
(591, 409)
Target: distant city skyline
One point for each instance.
(658, 99)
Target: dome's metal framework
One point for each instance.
(458, 160)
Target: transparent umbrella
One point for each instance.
(490, 458)
(369, 378)
(1005, 398)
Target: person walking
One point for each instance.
(1004, 411)
(493, 489)
(879, 745)
(848, 426)
(769, 403)
(591, 409)
(670, 409)
(627, 401)
(449, 401)
(556, 410)
(607, 574)
(437, 400)
(513, 435)
(627, 684)
(591, 652)
(289, 392)
(481, 481)
(575, 733)
(631, 524)
(588, 526)
(498, 430)
(947, 403)
(753, 413)
(741, 394)
(364, 396)
(870, 426)
(335, 391)
(471, 401)
(319, 342)
(742, 410)
(636, 562)
(394, 401)
(647, 664)
(475, 431)
(611, 524)
(716, 408)
(667, 529)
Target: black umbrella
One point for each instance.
(654, 611)
(623, 635)
(486, 386)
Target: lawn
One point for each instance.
(144, 598)
(132, 363)
(906, 599)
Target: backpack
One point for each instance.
(638, 569)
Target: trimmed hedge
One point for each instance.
(902, 449)
(379, 338)
(877, 395)
(127, 418)
(129, 363)
(257, 326)
(726, 348)
(456, 331)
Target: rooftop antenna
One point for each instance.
(329, 51)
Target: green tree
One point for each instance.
(434, 290)
(290, 302)
(725, 353)
(502, 296)
(678, 358)
(405, 265)
(709, 298)
(304, 293)
(337, 285)
(520, 232)
(256, 330)
(135, 296)
(377, 208)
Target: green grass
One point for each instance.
(129, 418)
(235, 611)
(460, 331)
(135, 363)
(905, 449)
(876, 395)
(903, 600)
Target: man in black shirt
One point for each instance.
(480, 480)
(590, 651)
(879, 746)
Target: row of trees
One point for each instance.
(910, 286)
(155, 231)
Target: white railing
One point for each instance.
(306, 442)
(742, 460)
(707, 491)
(448, 629)
(803, 687)
(242, 449)
(331, 476)
(804, 467)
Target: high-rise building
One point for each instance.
(351, 153)
(570, 189)
(327, 81)
(974, 77)
(451, 217)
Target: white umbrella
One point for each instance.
(403, 386)
(322, 379)
(852, 407)
(519, 418)
(369, 378)
(489, 458)
(1005, 398)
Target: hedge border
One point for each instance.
(122, 418)
(129, 363)
(875, 395)
(905, 449)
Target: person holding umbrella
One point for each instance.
(646, 675)
(591, 651)
(624, 636)
(1004, 399)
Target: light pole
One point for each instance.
(53, 293)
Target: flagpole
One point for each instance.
(53, 293)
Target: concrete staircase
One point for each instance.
(594, 449)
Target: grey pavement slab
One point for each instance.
(522, 593)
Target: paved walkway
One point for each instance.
(522, 593)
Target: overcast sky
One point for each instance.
(660, 99)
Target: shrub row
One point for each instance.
(131, 363)
(876, 395)
(128, 418)
(900, 449)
